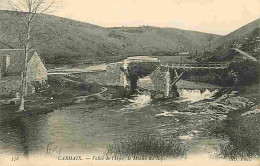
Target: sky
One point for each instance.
(212, 16)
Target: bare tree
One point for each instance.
(28, 11)
(209, 38)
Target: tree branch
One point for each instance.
(14, 6)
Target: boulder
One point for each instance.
(237, 102)
(255, 111)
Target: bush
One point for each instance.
(216, 128)
(148, 146)
(243, 72)
(244, 139)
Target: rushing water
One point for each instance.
(87, 128)
(196, 95)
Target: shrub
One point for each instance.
(148, 146)
(244, 139)
(243, 72)
(216, 128)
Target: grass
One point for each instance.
(241, 136)
(175, 59)
(251, 92)
(78, 42)
(215, 128)
(148, 146)
(58, 92)
(244, 139)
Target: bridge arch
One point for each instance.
(163, 77)
(137, 67)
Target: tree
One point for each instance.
(243, 72)
(209, 38)
(28, 11)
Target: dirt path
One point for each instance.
(98, 95)
(248, 56)
(68, 70)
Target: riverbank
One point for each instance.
(98, 115)
(58, 93)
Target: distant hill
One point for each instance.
(78, 41)
(236, 36)
(246, 39)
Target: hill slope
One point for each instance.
(238, 35)
(76, 41)
(245, 39)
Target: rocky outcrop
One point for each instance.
(219, 108)
(254, 111)
(237, 102)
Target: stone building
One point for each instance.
(11, 67)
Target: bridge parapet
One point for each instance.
(196, 66)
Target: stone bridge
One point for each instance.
(163, 77)
(163, 85)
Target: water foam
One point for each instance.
(140, 101)
(196, 95)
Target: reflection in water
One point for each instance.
(78, 129)
(14, 133)
(21, 135)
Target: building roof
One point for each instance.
(36, 69)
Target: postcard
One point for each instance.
(129, 82)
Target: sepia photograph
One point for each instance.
(129, 82)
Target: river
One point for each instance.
(87, 128)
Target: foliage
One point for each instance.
(239, 73)
(148, 146)
(61, 87)
(216, 128)
(243, 72)
(244, 139)
(219, 54)
(252, 42)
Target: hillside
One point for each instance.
(74, 41)
(238, 35)
(245, 39)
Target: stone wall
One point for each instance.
(16, 61)
(9, 86)
(160, 83)
(112, 76)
